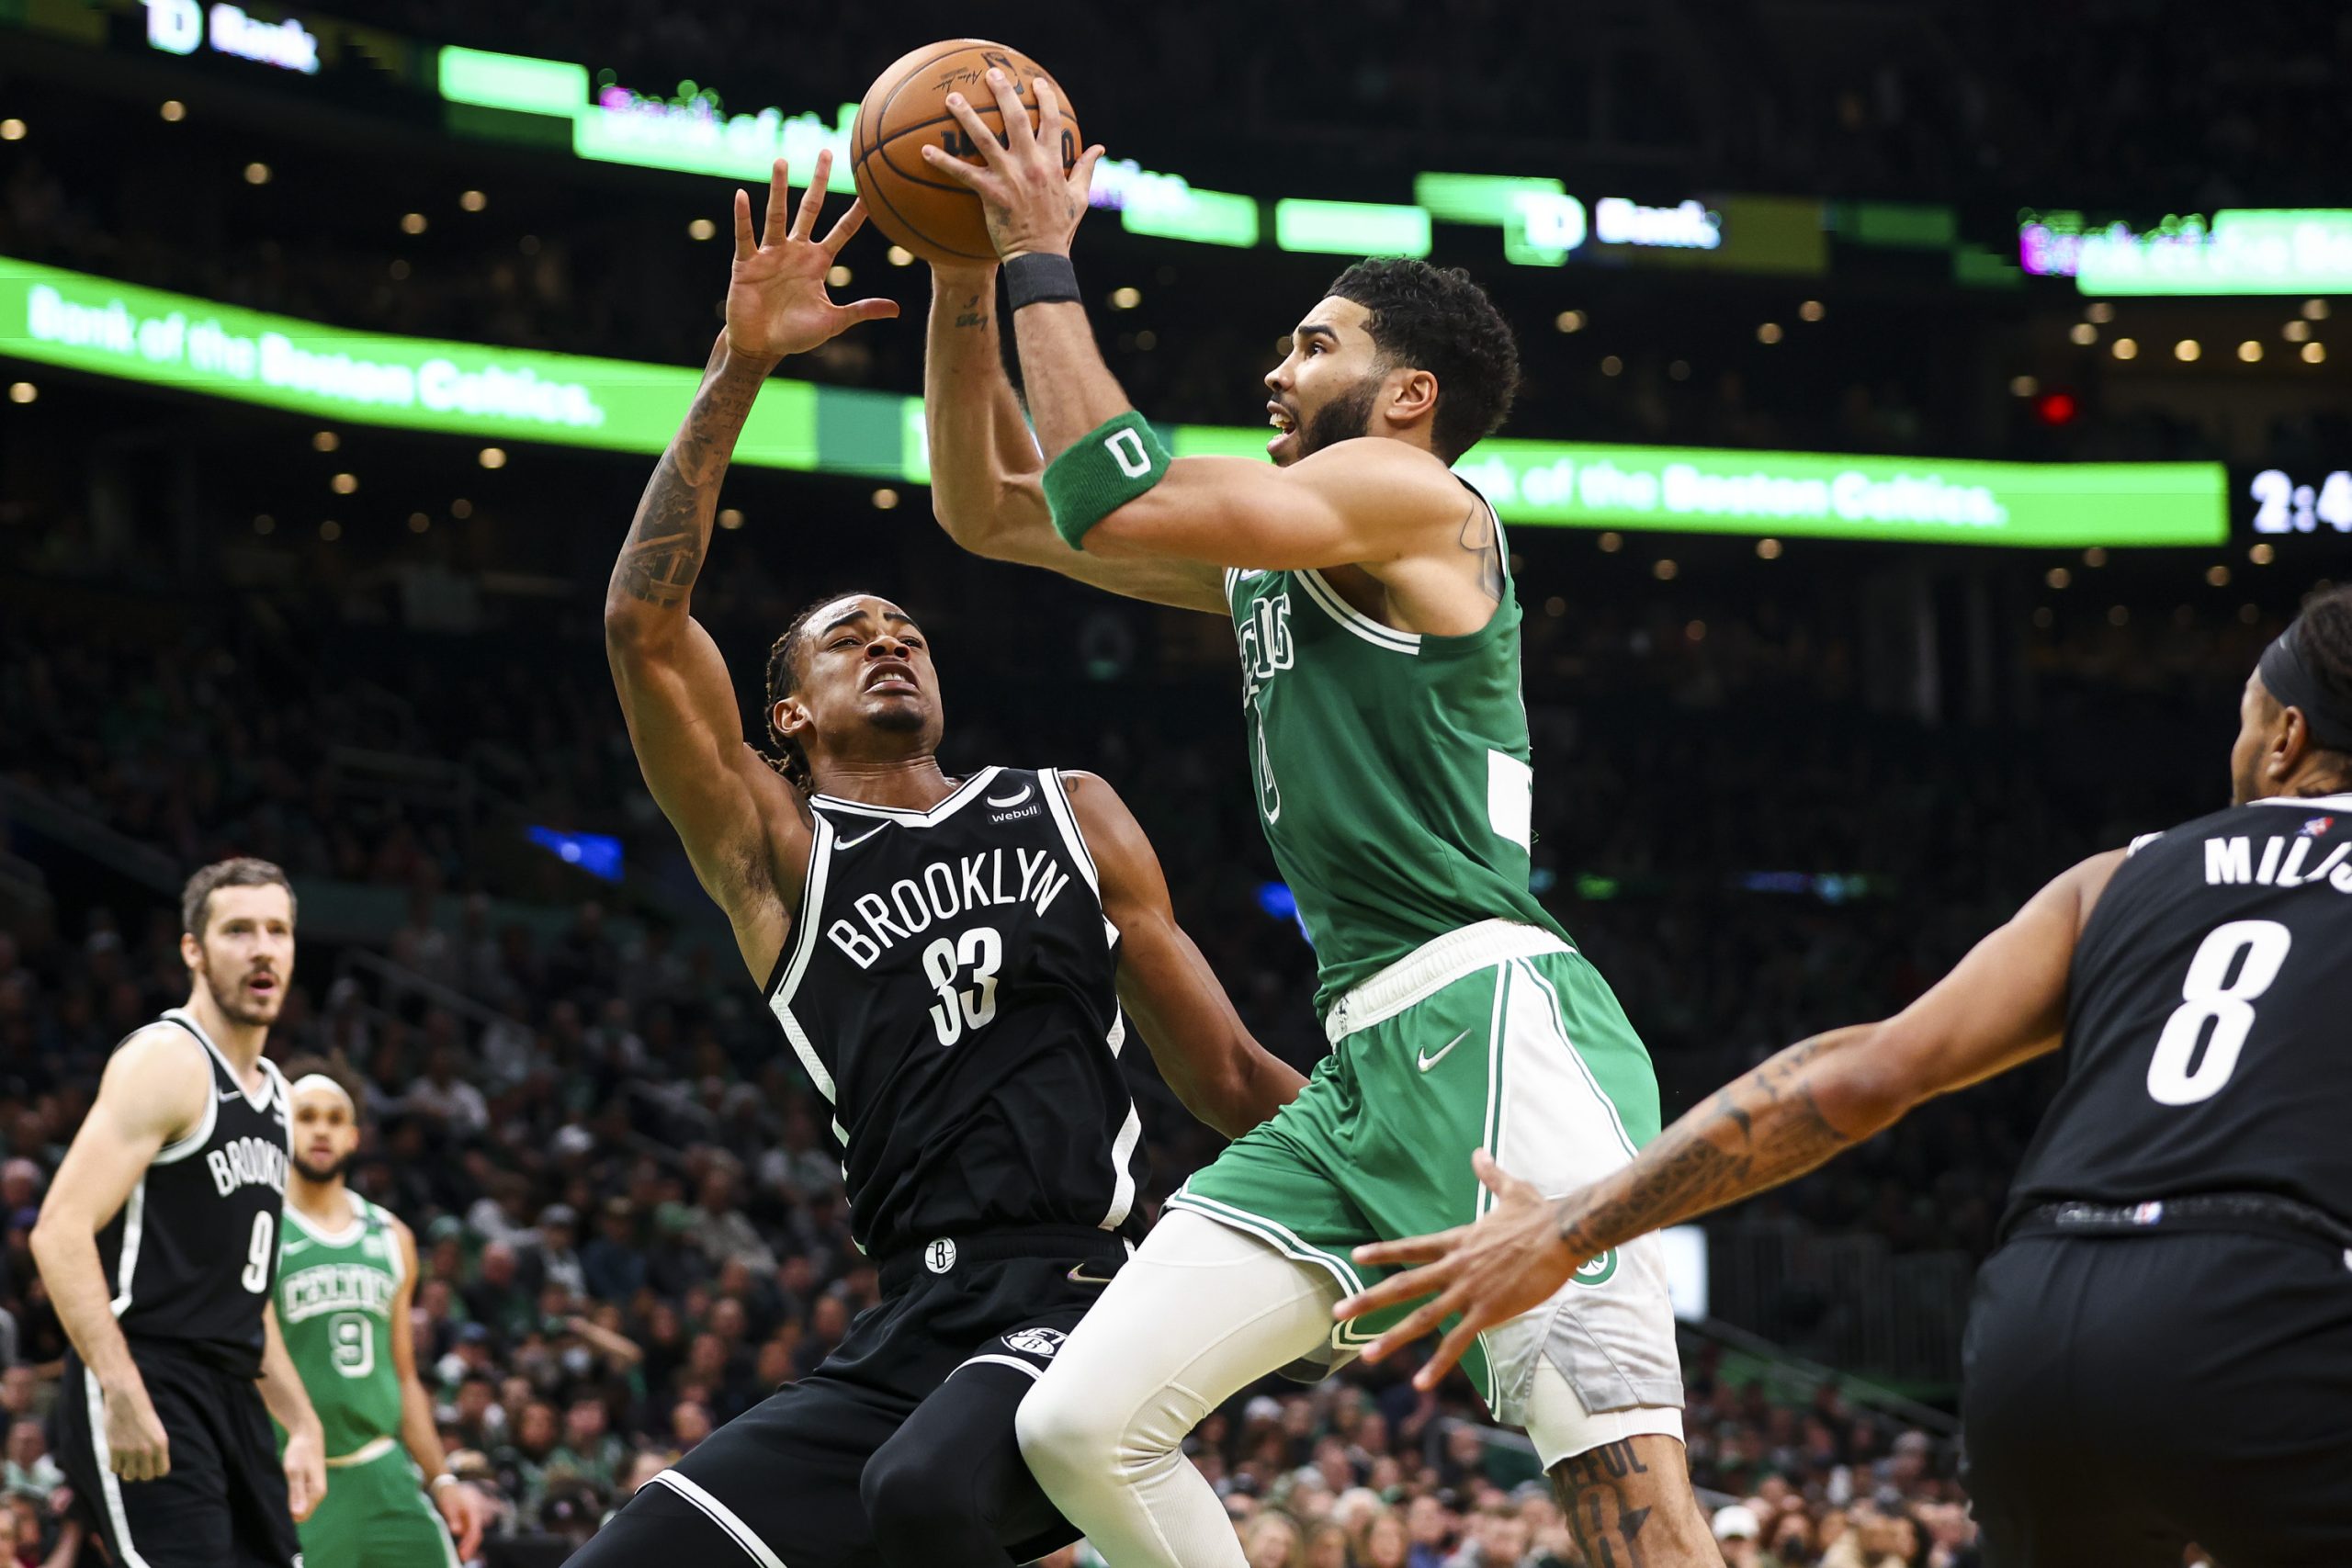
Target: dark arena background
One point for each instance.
(1930, 411)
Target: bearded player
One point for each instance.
(347, 1273)
(1371, 593)
(158, 1242)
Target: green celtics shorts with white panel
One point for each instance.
(375, 1515)
(1501, 1036)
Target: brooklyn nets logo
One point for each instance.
(1035, 1341)
(940, 1256)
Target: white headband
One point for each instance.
(320, 1080)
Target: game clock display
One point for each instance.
(2298, 502)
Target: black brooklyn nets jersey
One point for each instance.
(2208, 1026)
(194, 1250)
(949, 986)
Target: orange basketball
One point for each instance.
(909, 200)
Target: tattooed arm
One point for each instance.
(740, 825)
(987, 474)
(2005, 1004)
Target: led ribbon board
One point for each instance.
(52, 316)
(2243, 250)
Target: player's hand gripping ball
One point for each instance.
(923, 167)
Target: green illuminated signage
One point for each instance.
(1204, 217)
(170, 340)
(2243, 250)
(1490, 199)
(1810, 494)
(517, 82)
(67, 318)
(1351, 228)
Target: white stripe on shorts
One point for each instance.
(722, 1516)
(109, 1482)
(1013, 1361)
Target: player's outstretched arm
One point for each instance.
(987, 474)
(153, 1091)
(1203, 1050)
(737, 818)
(460, 1507)
(305, 1459)
(1129, 502)
(2004, 1004)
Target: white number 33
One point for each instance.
(980, 950)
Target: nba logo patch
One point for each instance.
(1035, 1341)
(2317, 826)
(2147, 1214)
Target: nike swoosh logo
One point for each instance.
(853, 843)
(229, 1094)
(1011, 799)
(1079, 1276)
(291, 1247)
(1428, 1061)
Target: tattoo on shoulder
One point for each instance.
(1480, 538)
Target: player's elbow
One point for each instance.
(52, 1231)
(633, 629)
(1878, 1073)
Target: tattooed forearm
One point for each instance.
(1482, 540)
(663, 553)
(1758, 1132)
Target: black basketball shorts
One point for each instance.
(899, 1448)
(2125, 1396)
(223, 1503)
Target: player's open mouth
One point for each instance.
(892, 678)
(262, 985)
(1286, 425)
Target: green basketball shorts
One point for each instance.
(375, 1515)
(1496, 1036)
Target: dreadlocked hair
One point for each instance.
(783, 680)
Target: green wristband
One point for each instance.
(1112, 464)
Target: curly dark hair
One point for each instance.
(2326, 643)
(785, 665)
(1436, 319)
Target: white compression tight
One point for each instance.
(1199, 1312)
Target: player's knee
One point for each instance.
(1065, 1435)
(916, 1496)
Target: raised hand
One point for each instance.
(1031, 190)
(776, 302)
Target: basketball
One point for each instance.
(933, 217)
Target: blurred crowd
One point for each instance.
(630, 1229)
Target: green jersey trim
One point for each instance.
(1373, 632)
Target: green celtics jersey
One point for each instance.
(335, 1295)
(1392, 770)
